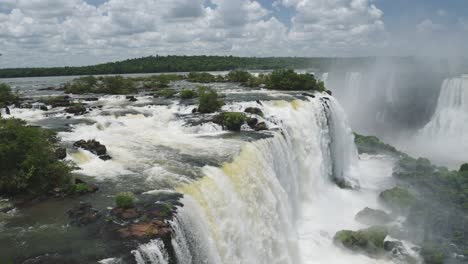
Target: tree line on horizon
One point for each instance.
(160, 64)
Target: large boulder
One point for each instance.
(76, 109)
(61, 153)
(372, 217)
(83, 214)
(261, 126)
(93, 146)
(369, 241)
(397, 199)
(254, 111)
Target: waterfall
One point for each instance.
(445, 137)
(256, 208)
(451, 115)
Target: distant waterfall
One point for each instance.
(247, 210)
(451, 116)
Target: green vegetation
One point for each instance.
(81, 188)
(370, 241)
(201, 77)
(432, 254)
(233, 120)
(166, 93)
(287, 79)
(125, 200)
(157, 64)
(6, 96)
(104, 85)
(209, 100)
(27, 161)
(238, 76)
(372, 145)
(397, 198)
(157, 81)
(188, 94)
(441, 210)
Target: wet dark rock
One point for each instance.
(258, 102)
(93, 146)
(7, 110)
(261, 126)
(50, 259)
(83, 214)
(43, 108)
(25, 106)
(68, 117)
(254, 111)
(6, 206)
(252, 122)
(91, 99)
(370, 216)
(131, 98)
(194, 110)
(60, 103)
(105, 157)
(61, 153)
(328, 92)
(308, 95)
(76, 109)
(393, 245)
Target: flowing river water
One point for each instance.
(249, 197)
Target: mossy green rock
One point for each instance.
(369, 241)
(397, 198)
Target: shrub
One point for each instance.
(82, 85)
(201, 77)
(27, 160)
(188, 94)
(6, 96)
(125, 200)
(238, 76)
(167, 93)
(287, 79)
(116, 85)
(233, 120)
(81, 188)
(209, 101)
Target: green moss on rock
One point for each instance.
(369, 241)
(397, 198)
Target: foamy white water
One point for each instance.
(445, 138)
(274, 201)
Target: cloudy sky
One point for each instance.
(82, 32)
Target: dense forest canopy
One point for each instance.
(157, 64)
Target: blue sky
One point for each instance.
(79, 32)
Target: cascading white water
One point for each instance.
(445, 137)
(275, 202)
(451, 115)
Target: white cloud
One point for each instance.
(427, 26)
(54, 32)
